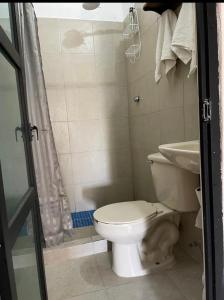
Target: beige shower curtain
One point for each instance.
(54, 205)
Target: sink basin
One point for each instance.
(185, 155)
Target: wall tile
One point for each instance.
(49, 39)
(108, 42)
(70, 191)
(146, 62)
(85, 135)
(143, 183)
(72, 99)
(92, 195)
(61, 137)
(191, 119)
(95, 90)
(110, 74)
(76, 36)
(101, 166)
(113, 101)
(83, 103)
(78, 70)
(146, 88)
(52, 67)
(172, 125)
(115, 133)
(168, 112)
(190, 94)
(145, 132)
(103, 38)
(146, 18)
(88, 93)
(91, 166)
(65, 161)
(171, 89)
(120, 161)
(57, 104)
(88, 103)
(123, 190)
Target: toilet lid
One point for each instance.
(127, 212)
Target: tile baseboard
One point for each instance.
(72, 250)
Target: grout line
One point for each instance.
(177, 287)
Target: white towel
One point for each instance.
(164, 55)
(184, 43)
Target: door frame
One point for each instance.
(9, 229)
(210, 150)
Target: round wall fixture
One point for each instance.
(90, 6)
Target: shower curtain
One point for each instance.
(54, 204)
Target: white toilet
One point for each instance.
(142, 233)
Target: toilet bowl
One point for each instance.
(125, 224)
(142, 233)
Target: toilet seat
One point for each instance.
(129, 212)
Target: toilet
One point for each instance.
(142, 233)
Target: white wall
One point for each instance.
(167, 113)
(115, 12)
(86, 81)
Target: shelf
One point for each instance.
(130, 30)
(132, 33)
(133, 52)
(160, 7)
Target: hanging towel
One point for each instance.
(184, 42)
(164, 55)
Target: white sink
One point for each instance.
(184, 155)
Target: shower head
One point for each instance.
(90, 5)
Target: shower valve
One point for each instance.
(137, 98)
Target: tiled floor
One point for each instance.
(83, 242)
(91, 278)
(79, 234)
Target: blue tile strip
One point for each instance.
(82, 218)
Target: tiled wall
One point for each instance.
(90, 88)
(85, 74)
(168, 113)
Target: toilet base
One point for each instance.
(127, 261)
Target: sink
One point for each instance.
(185, 155)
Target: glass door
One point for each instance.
(21, 260)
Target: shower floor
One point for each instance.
(83, 242)
(82, 235)
(82, 218)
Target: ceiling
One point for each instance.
(105, 12)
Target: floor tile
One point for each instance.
(104, 262)
(82, 232)
(187, 276)
(92, 278)
(153, 287)
(73, 278)
(100, 295)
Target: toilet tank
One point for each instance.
(175, 187)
